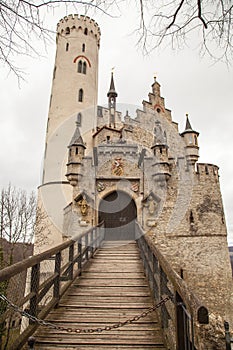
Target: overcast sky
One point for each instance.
(189, 84)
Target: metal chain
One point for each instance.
(84, 330)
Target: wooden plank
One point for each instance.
(101, 347)
(112, 288)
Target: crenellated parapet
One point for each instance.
(79, 23)
(207, 171)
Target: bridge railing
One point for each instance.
(35, 285)
(179, 317)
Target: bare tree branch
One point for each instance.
(161, 22)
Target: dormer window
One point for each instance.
(67, 30)
(85, 31)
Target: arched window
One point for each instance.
(191, 217)
(84, 68)
(67, 46)
(80, 95)
(67, 30)
(80, 66)
(195, 140)
(79, 119)
(83, 48)
(85, 31)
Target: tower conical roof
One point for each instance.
(112, 90)
(188, 124)
(188, 127)
(77, 139)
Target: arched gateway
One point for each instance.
(119, 212)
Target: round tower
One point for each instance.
(74, 87)
(73, 97)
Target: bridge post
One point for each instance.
(31, 343)
(56, 290)
(227, 335)
(35, 280)
(71, 260)
(80, 256)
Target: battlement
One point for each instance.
(205, 169)
(76, 22)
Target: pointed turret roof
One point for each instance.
(188, 127)
(188, 124)
(112, 90)
(77, 139)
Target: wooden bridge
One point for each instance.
(112, 288)
(89, 293)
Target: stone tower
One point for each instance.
(73, 98)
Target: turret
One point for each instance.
(75, 156)
(112, 95)
(160, 150)
(190, 138)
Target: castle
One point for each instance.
(102, 165)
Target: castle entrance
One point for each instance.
(119, 212)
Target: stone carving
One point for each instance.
(159, 137)
(151, 204)
(117, 167)
(100, 186)
(83, 206)
(134, 187)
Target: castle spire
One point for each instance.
(188, 124)
(77, 139)
(112, 95)
(112, 90)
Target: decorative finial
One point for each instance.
(187, 115)
(112, 70)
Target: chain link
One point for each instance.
(84, 330)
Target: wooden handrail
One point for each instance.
(16, 268)
(189, 298)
